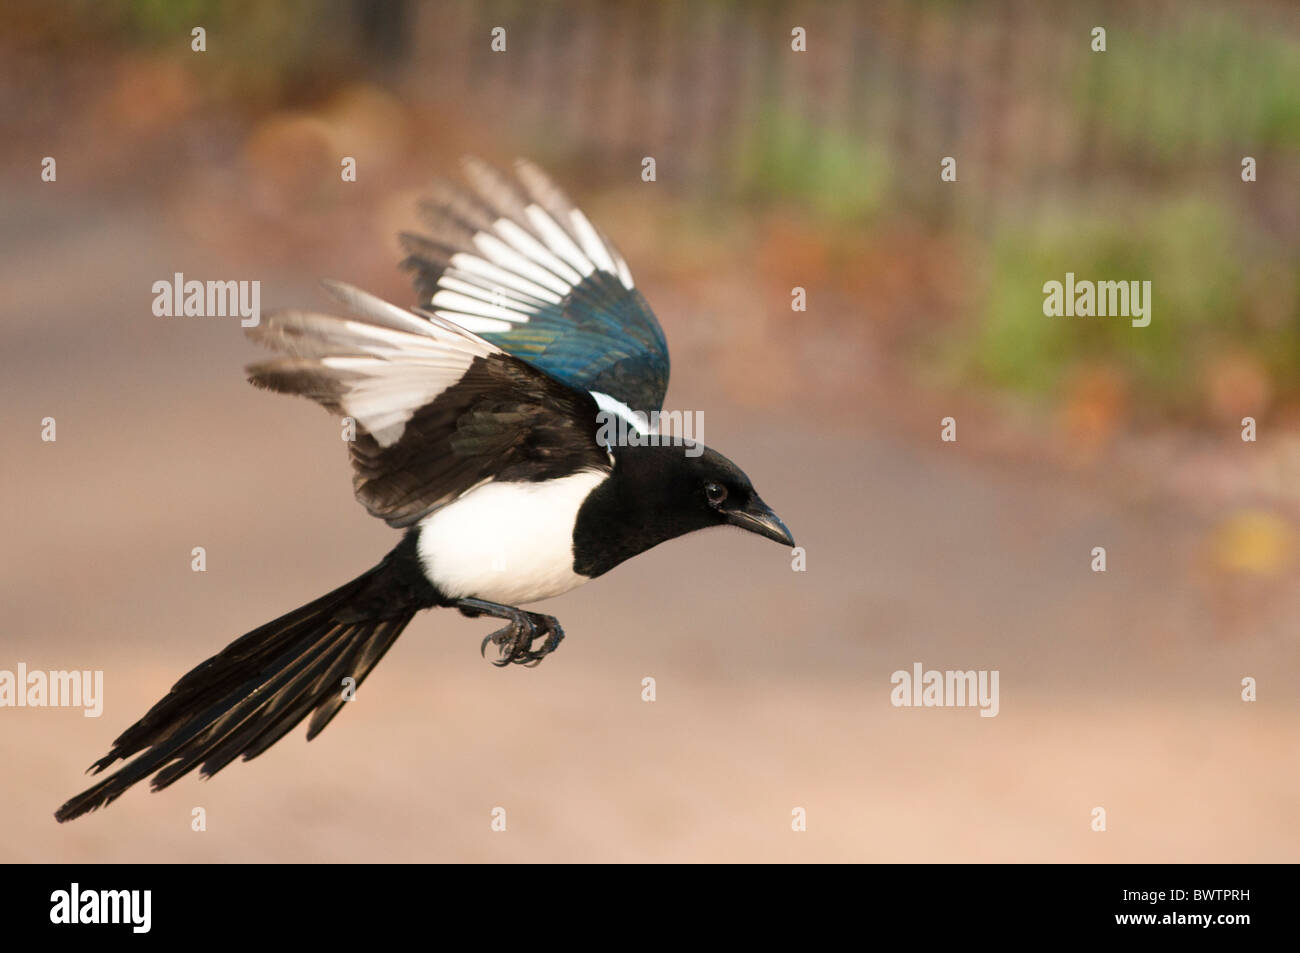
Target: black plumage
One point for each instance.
(248, 696)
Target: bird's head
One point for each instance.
(658, 493)
(719, 493)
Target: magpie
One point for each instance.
(477, 431)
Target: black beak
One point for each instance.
(758, 518)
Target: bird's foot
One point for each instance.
(515, 641)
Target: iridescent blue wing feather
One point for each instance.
(517, 263)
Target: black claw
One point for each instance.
(515, 640)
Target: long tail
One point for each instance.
(244, 699)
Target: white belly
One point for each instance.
(510, 543)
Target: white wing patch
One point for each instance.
(558, 239)
(638, 422)
(536, 250)
(384, 366)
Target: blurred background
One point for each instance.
(775, 169)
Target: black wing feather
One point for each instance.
(491, 416)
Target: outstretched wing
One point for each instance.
(515, 262)
(438, 409)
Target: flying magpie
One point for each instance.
(477, 431)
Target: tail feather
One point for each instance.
(248, 696)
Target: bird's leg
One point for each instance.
(515, 641)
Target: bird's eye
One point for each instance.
(715, 493)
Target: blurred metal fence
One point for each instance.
(1011, 89)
